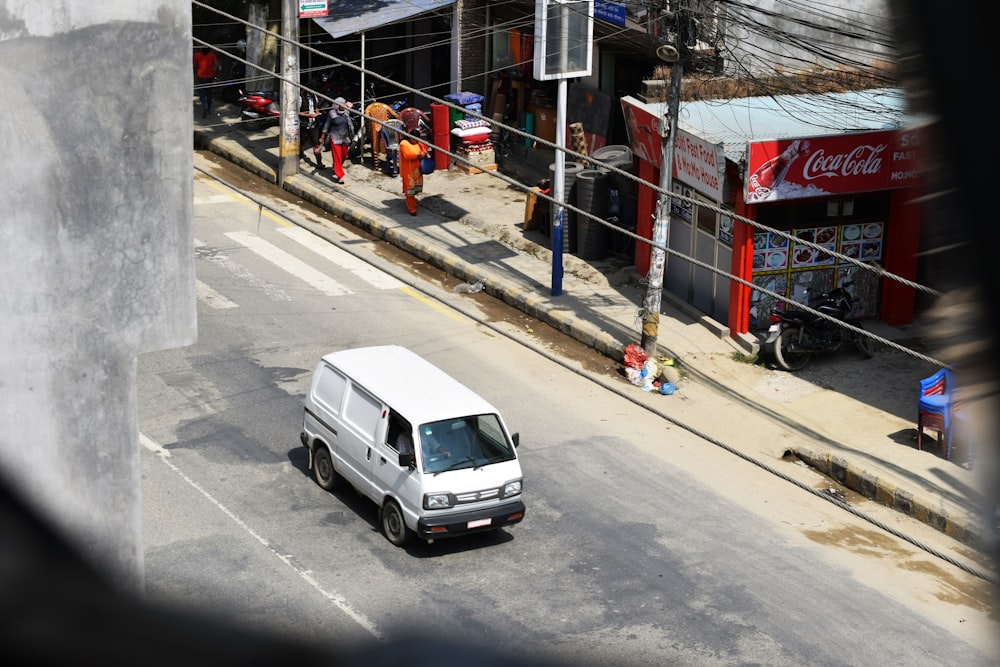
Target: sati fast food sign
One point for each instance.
(831, 165)
(697, 162)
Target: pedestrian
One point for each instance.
(206, 68)
(411, 152)
(309, 127)
(338, 127)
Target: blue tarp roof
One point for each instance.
(349, 17)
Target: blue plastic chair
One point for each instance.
(935, 406)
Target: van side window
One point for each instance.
(362, 411)
(400, 434)
(329, 389)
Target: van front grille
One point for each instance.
(477, 496)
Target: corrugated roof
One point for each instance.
(347, 17)
(737, 122)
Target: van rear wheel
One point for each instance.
(323, 471)
(392, 523)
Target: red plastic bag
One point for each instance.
(635, 356)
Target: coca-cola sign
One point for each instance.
(833, 165)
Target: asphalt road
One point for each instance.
(641, 543)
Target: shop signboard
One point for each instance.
(313, 9)
(697, 162)
(831, 165)
(612, 12)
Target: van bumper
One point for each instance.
(452, 525)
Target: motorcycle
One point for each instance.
(795, 335)
(259, 108)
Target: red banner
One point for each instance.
(831, 165)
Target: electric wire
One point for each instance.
(630, 396)
(623, 174)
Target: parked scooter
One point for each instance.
(259, 108)
(795, 334)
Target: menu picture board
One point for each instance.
(800, 271)
(804, 256)
(770, 252)
(762, 304)
(862, 241)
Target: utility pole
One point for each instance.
(288, 137)
(661, 224)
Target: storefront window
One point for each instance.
(682, 208)
(708, 220)
(851, 226)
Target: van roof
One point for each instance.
(410, 384)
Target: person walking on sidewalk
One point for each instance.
(339, 127)
(411, 152)
(309, 127)
(206, 68)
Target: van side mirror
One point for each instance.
(407, 461)
(515, 438)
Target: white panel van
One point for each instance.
(436, 457)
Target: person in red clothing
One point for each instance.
(410, 154)
(339, 127)
(206, 67)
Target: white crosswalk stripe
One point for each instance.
(367, 272)
(212, 298)
(207, 252)
(290, 263)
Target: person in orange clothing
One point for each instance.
(410, 154)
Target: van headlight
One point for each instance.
(438, 501)
(511, 489)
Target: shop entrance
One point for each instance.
(854, 227)
(699, 232)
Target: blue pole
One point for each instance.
(557, 252)
(559, 190)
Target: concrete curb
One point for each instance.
(887, 492)
(377, 225)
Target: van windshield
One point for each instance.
(465, 442)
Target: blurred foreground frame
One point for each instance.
(942, 81)
(56, 609)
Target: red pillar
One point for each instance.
(902, 243)
(742, 267)
(645, 208)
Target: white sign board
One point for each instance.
(564, 39)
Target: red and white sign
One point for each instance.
(311, 9)
(697, 163)
(831, 165)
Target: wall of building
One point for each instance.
(95, 253)
(473, 47)
(850, 30)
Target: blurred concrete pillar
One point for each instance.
(96, 262)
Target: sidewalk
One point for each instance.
(852, 419)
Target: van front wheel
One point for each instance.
(393, 525)
(327, 478)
